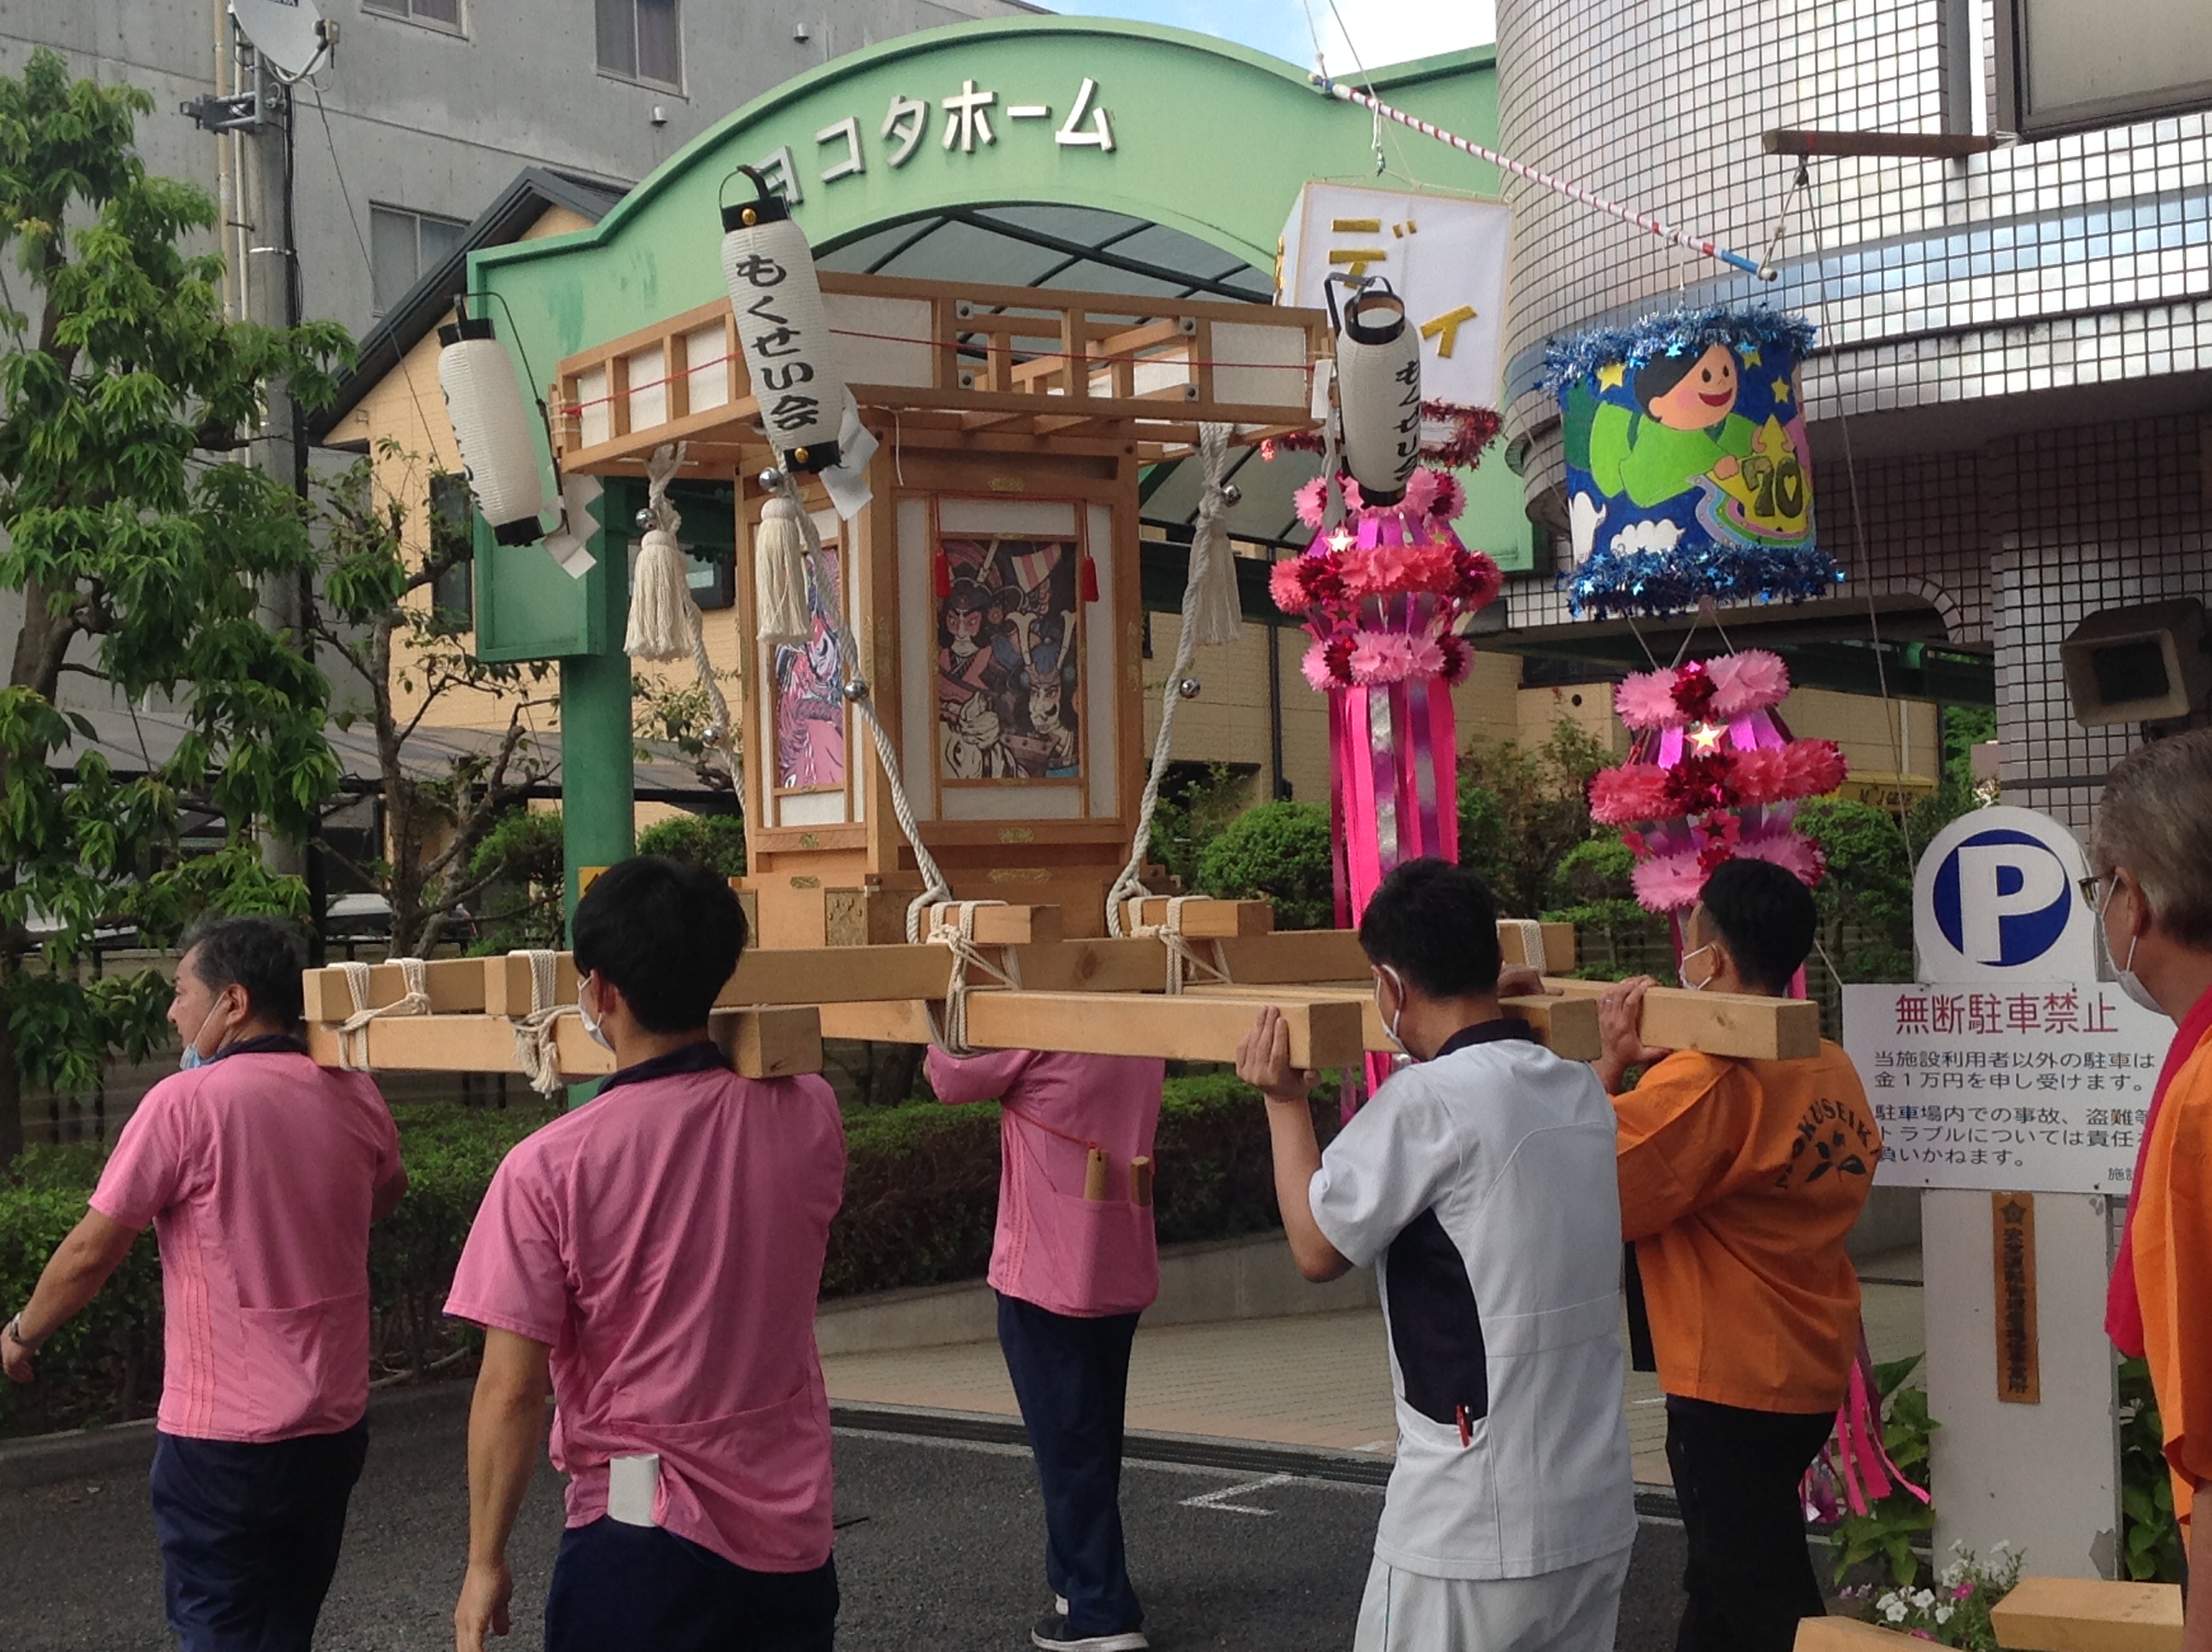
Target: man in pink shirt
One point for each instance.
(1075, 1262)
(261, 1173)
(657, 1253)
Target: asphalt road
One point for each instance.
(940, 1546)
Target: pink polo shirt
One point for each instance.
(258, 1172)
(665, 1242)
(1086, 1257)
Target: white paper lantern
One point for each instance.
(782, 328)
(497, 434)
(1378, 390)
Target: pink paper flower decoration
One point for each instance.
(1760, 775)
(1751, 681)
(1633, 791)
(1312, 502)
(1315, 667)
(1421, 492)
(1812, 769)
(1669, 883)
(1380, 657)
(1424, 658)
(1486, 578)
(1450, 499)
(1794, 854)
(1286, 583)
(1646, 700)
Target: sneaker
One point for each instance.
(1053, 1634)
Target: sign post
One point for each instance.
(2012, 1084)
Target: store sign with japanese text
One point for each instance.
(1444, 255)
(2010, 1066)
(974, 120)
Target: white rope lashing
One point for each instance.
(537, 1034)
(952, 926)
(1183, 958)
(1532, 942)
(1210, 561)
(935, 890)
(353, 1031)
(665, 621)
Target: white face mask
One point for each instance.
(1391, 1029)
(1682, 969)
(592, 1028)
(2124, 974)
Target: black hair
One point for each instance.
(1663, 373)
(664, 934)
(1764, 916)
(1436, 925)
(264, 956)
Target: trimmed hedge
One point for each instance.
(920, 1201)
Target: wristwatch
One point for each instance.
(14, 1330)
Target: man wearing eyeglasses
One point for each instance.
(2152, 849)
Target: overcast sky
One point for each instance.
(1381, 31)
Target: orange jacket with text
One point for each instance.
(1740, 1182)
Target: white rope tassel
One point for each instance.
(662, 615)
(1132, 880)
(1215, 614)
(353, 1031)
(780, 569)
(1183, 958)
(952, 926)
(537, 1034)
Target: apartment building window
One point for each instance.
(438, 14)
(453, 593)
(641, 40)
(402, 245)
(2064, 65)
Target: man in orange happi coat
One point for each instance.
(2151, 856)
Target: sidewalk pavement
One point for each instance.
(1312, 1380)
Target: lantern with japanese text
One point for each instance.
(775, 300)
(1378, 386)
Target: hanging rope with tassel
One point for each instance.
(665, 621)
(1211, 614)
(780, 583)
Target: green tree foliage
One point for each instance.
(1885, 1534)
(1522, 809)
(135, 535)
(1197, 802)
(715, 842)
(1279, 852)
(2150, 1537)
(377, 615)
(520, 867)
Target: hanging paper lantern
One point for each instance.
(1713, 775)
(1382, 596)
(1378, 380)
(782, 330)
(1688, 470)
(496, 433)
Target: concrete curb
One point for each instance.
(127, 1449)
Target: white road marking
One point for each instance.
(1221, 1499)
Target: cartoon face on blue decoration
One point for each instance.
(1689, 474)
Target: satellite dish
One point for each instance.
(288, 33)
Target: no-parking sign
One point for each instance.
(1994, 898)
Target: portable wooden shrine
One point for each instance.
(989, 589)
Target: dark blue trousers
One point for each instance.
(619, 1587)
(250, 1535)
(1072, 1378)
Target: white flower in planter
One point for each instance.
(1944, 1614)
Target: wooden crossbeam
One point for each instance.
(2073, 1614)
(1566, 1026)
(772, 1043)
(1205, 921)
(456, 986)
(1718, 1023)
(1324, 1032)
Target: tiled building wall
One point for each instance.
(2079, 260)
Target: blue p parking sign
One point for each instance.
(2001, 898)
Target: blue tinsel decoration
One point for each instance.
(1673, 333)
(1613, 584)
